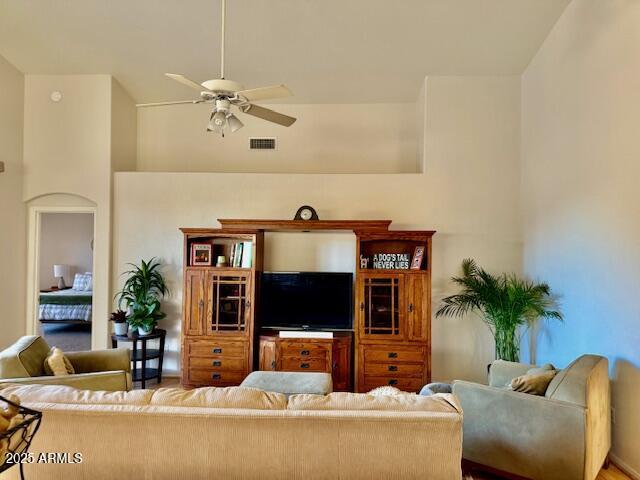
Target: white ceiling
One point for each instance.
(326, 51)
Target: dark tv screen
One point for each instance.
(306, 300)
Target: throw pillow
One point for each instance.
(543, 368)
(534, 383)
(89, 286)
(82, 282)
(57, 363)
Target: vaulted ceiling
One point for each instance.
(326, 51)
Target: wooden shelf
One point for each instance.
(303, 226)
(385, 270)
(149, 374)
(218, 269)
(151, 354)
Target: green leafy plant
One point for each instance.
(505, 302)
(141, 294)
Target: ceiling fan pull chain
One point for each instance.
(224, 17)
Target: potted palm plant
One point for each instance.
(141, 294)
(506, 303)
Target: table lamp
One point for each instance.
(61, 271)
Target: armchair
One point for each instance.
(23, 362)
(565, 435)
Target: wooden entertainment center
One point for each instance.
(391, 340)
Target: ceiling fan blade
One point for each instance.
(185, 81)
(265, 93)
(269, 115)
(161, 104)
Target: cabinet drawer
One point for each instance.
(292, 364)
(223, 363)
(403, 383)
(304, 350)
(395, 369)
(202, 376)
(389, 353)
(214, 349)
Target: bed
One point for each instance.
(66, 306)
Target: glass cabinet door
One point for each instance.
(228, 303)
(380, 309)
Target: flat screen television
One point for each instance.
(306, 300)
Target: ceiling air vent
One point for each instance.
(262, 143)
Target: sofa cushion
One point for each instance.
(289, 382)
(216, 397)
(409, 402)
(501, 372)
(70, 395)
(386, 390)
(25, 358)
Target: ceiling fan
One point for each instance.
(224, 94)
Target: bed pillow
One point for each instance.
(57, 363)
(82, 282)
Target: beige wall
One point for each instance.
(65, 238)
(67, 149)
(580, 172)
(12, 210)
(469, 193)
(326, 138)
(124, 119)
(66, 144)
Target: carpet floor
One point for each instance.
(69, 338)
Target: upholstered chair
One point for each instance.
(563, 435)
(23, 362)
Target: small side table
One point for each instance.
(144, 354)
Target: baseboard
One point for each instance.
(626, 469)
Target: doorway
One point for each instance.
(63, 277)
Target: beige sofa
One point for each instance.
(565, 435)
(23, 362)
(243, 433)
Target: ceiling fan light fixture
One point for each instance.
(215, 129)
(234, 123)
(217, 121)
(219, 118)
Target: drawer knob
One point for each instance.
(273, 364)
(216, 363)
(304, 365)
(304, 352)
(216, 376)
(393, 381)
(392, 355)
(393, 368)
(217, 350)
